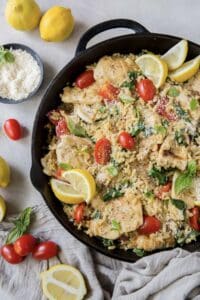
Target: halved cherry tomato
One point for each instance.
(102, 151)
(126, 140)
(146, 89)
(45, 250)
(13, 129)
(79, 212)
(164, 189)
(61, 128)
(109, 92)
(25, 244)
(85, 79)
(150, 225)
(9, 254)
(54, 116)
(194, 221)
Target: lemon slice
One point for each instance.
(4, 173)
(153, 67)
(176, 55)
(186, 71)
(82, 182)
(65, 192)
(63, 282)
(2, 208)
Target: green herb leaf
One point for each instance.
(149, 195)
(108, 243)
(139, 252)
(103, 109)
(112, 170)
(185, 180)
(115, 225)
(132, 80)
(65, 166)
(76, 129)
(181, 112)
(112, 193)
(194, 104)
(138, 128)
(6, 56)
(160, 174)
(173, 92)
(160, 129)
(21, 226)
(180, 204)
(126, 99)
(180, 137)
(96, 214)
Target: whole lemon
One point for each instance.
(4, 173)
(23, 14)
(56, 24)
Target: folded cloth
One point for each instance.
(167, 275)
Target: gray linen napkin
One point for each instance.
(168, 275)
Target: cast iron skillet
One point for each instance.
(141, 39)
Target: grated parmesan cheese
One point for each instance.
(20, 78)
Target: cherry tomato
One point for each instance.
(25, 244)
(146, 89)
(109, 92)
(150, 225)
(194, 221)
(54, 116)
(45, 250)
(9, 254)
(85, 79)
(102, 151)
(164, 189)
(79, 212)
(13, 129)
(126, 140)
(61, 128)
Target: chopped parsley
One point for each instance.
(130, 84)
(138, 128)
(112, 170)
(159, 174)
(103, 109)
(181, 112)
(96, 214)
(160, 129)
(180, 204)
(182, 238)
(194, 104)
(173, 92)
(149, 195)
(112, 193)
(139, 252)
(65, 166)
(108, 243)
(180, 137)
(115, 225)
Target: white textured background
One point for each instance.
(175, 17)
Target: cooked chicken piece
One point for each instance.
(82, 96)
(75, 151)
(49, 163)
(172, 155)
(85, 112)
(126, 211)
(114, 69)
(151, 119)
(149, 144)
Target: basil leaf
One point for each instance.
(76, 129)
(65, 166)
(115, 225)
(185, 180)
(173, 92)
(179, 204)
(194, 104)
(159, 174)
(21, 226)
(139, 252)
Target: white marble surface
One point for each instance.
(175, 17)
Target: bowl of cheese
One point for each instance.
(21, 73)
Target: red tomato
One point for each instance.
(194, 221)
(150, 225)
(79, 212)
(85, 79)
(146, 89)
(25, 244)
(58, 173)
(13, 129)
(9, 254)
(102, 151)
(54, 116)
(45, 250)
(164, 189)
(61, 128)
(109, 92)
(126, 140)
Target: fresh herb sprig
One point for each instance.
(6, 56)
(185, 180)
(159, 174)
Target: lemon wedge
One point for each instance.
(65, 192)
(4, 173)
(63, 282)
(82, 182)
(153, 67)
(186, 71)
(176, 55)
(2, 208)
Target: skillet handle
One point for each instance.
(115, 23)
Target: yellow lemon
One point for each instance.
(56, 24)
(63, 282)
(176, 55)
(2, 208)
(23, 14)
(4, 173)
